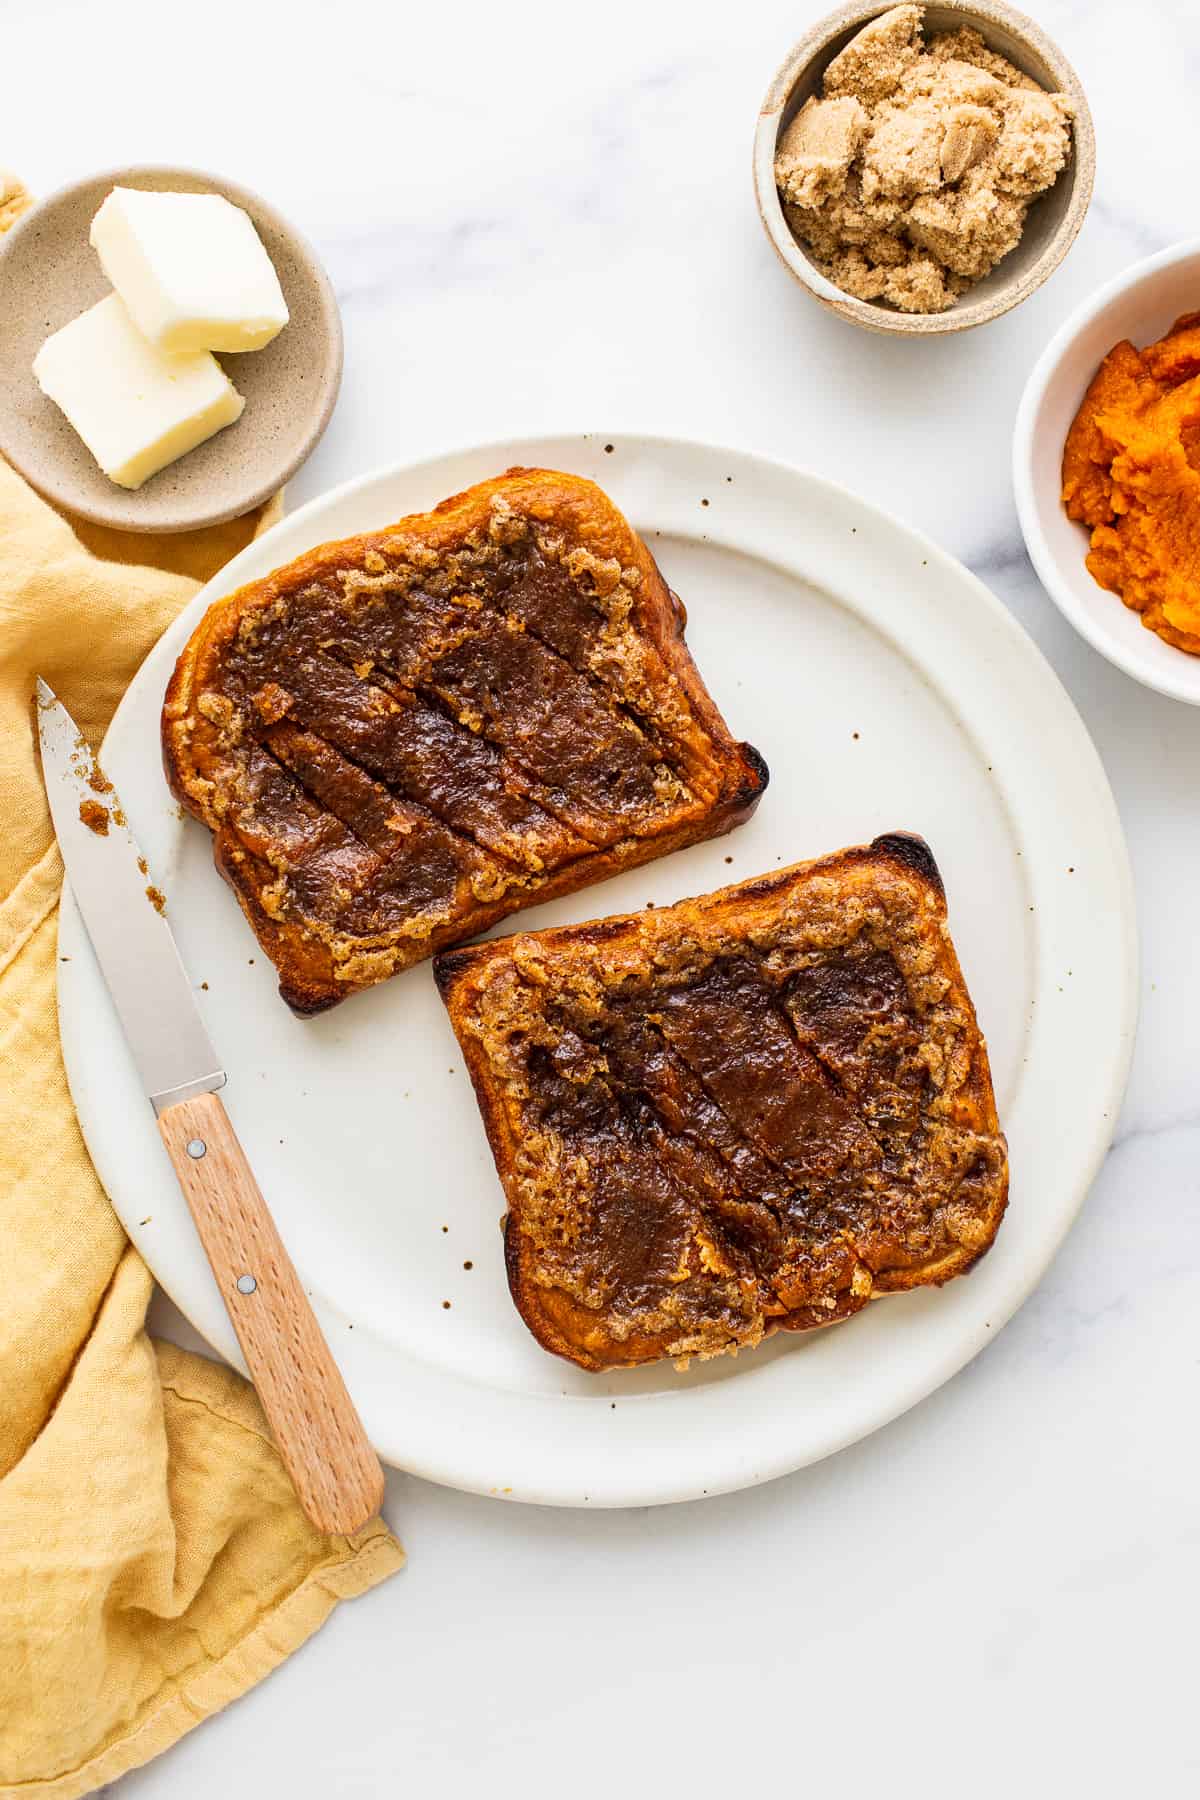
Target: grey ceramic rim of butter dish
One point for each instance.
(1054, 218)
(49, 273)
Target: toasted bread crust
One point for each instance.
(908, 1179)
(398, 739)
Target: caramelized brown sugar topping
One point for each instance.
(400, 738)
(750, 1111)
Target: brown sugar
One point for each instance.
(1131, 472)
(910, 176)
(94, 816)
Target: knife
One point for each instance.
(319, 1434)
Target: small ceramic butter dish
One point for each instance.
(49, 274)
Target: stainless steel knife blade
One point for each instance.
(115, 893)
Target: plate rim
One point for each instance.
(508, 451)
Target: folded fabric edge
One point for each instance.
(355, 1565)
(23, 910)
(343, 1576)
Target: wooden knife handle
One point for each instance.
(319, 1434)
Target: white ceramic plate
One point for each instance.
(1141, 304)
(886, 688)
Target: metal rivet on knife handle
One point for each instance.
(320, 1436)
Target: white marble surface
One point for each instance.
(541, 215)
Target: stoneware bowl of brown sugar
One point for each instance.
(1053, 219)
(49, 273)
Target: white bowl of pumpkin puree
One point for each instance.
(1106, 467)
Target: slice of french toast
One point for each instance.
(748, 1112)
(398, 739)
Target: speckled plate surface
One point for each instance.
(49, 273)
(886, 688)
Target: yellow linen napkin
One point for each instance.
(154, 1563)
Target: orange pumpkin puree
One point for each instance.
(1131, 471)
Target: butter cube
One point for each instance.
(191, 269)
(135, 407)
